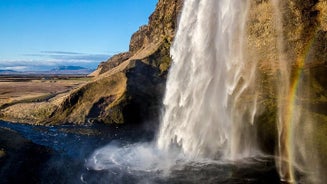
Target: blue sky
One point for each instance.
(42, 34)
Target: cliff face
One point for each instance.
(291, 35)
(162, 25)
(160, 30)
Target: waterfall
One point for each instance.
(204, 113)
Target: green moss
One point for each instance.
(43, 113)
(161, 58)
(2, 153)
(267, 128)
(165, 64)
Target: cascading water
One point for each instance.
(204, 113)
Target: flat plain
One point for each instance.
(34, 88)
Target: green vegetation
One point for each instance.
(2, 153)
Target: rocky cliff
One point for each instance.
(156, 37)
(292, 34)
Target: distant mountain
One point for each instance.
(6, 72)
(70, 70)
(62, 68)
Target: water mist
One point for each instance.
(204, 114)
(296, 151)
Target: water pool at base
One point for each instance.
(74, 149)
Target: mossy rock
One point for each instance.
(2, 153)
(267, 129)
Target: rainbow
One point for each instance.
(289, 113)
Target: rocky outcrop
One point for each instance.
(22, 161)
(111, 63)
(162, 25)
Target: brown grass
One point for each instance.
(13, 90)
(113, 85)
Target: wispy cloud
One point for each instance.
(80, 57)
(74, 56)
(16, 68)
(48, 59)
(62, 52)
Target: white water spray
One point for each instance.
(204, 114)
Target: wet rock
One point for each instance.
(23, 160)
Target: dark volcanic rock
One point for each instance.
(23, 161)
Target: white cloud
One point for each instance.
(16, 68)
(46, 60)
